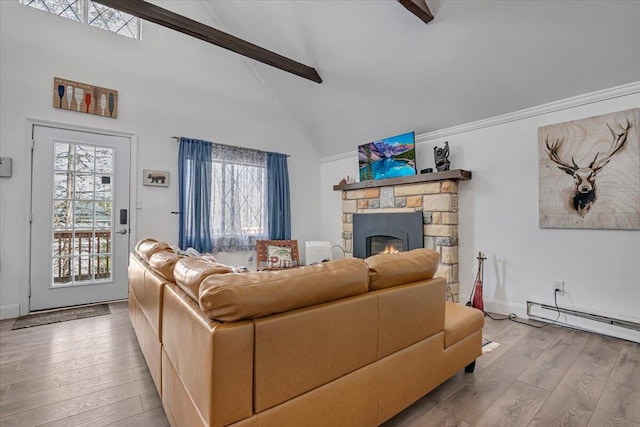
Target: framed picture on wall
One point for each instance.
(589, 172)
(155, 178)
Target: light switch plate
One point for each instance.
(5, 167)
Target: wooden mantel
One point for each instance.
(455, 174)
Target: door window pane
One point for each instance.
(103, 214)
(61, 270)
(84, 242)
(62, 214)
(62, 243)
(103, 187)
(85, 158)
(85, 270)
(62, 185)
(84, 186)
(102, 242)
(63, 154)
(83, 214)
(103, 267)
(104, 160)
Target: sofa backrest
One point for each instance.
(388, 270)
(300, 350)
(213, 360)
(411, 301)
(190, 272)
(164, 262)
(409, 313)
(232, 297)
(148, 287)
(145, 248)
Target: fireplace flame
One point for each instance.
(389, 249)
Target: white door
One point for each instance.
(80, 213)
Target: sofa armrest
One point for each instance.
(213, 360)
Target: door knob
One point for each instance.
(122, 231)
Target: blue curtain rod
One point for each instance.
(177, 138)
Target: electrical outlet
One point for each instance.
(558, 287)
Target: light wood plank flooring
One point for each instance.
(91, 372)
(538, 377)
(81, 372)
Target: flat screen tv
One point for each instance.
(388, 158)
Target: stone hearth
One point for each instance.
(434, 194)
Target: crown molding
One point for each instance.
(576, 101)
(564, 104)
(337, 157)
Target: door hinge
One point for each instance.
(30, 217)
(29, 291)
(32, 143)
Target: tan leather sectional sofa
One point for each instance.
(349, 342)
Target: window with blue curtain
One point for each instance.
(278, 209)
(231, 196)
(194, 187)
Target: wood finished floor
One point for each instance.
(91, 372)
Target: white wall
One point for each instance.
(499, 216)
(169, 84)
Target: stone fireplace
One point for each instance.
(432, 197)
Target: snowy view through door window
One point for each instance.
(82, 214)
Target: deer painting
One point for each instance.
(585, 192)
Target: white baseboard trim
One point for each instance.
(9, 311)
(504, 308)
(588, 325)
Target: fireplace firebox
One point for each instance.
(386, 232)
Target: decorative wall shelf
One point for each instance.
(455, 174)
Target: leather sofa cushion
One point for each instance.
(147, 241)
(387, 270)
(460, 322)
(300, 350)
(189, 273)
(147, 247)
(238, 296)
(147, 286)
(213, 361)
(409, 314)
(164, 262)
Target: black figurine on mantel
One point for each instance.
(441, 156)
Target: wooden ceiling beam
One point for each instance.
(166, 18)
(418, 8)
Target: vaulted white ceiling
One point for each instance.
(385, 72)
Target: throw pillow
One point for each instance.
(279, 257)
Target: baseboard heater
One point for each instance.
(590, 316)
